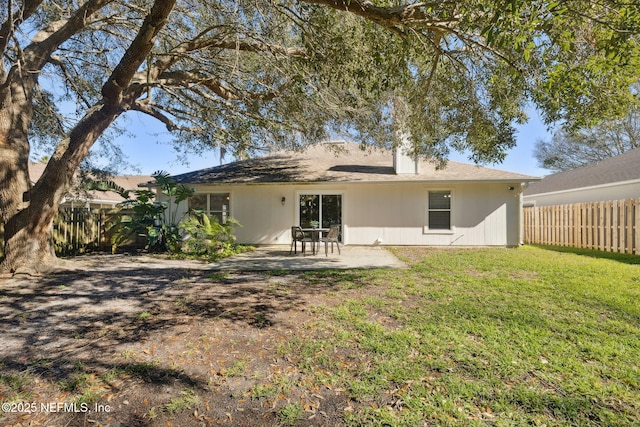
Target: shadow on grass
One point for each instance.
(66, 371)
(614, 256)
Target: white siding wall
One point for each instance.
(264, 219)
(388, 214)
(397, 215)
(259, 209)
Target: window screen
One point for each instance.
(439, 211)
(216, 205)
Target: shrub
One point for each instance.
(154, 220)
(204, 235)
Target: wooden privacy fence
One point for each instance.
(612, 226)
(79, 230)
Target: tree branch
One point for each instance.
(394, 17)
(137, 51)
(50, 38)
(150, 111)
(15, 19)
(72, 150)
(185, 78)
(7, 32)
(227, 43)
(69, 79)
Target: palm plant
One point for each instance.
(155, 220)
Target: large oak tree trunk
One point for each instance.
(28, 244)
(27, 211)
(25, 240)
(27, 232)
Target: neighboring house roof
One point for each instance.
(344, 162)
(621, 168)
(128, 182)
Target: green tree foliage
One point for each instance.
(247, 75)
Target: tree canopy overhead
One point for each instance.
(248, 74)
(245, 74)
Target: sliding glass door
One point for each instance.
(320, 210)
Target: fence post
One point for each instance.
(564, 209)
(535, 219)
(629, 227)
(636, 226)
(554, 224)
(525, 224)
(547, 226)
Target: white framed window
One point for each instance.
(217, 205)
(439, 211)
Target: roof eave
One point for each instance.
(591, 187)
(523, 180)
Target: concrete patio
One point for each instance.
(276, 257)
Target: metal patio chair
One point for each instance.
(331, 237)
(297, 235)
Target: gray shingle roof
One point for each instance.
(624, 167)
(338, 163)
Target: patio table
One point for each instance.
(316, 234)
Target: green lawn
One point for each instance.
(467, 337)
(527, 336)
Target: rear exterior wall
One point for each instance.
(482, 214)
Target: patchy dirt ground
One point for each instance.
(141, 341)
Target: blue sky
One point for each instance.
(148, 149)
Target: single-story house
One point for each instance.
(615, 178)
(93, 199)
(376, 196)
